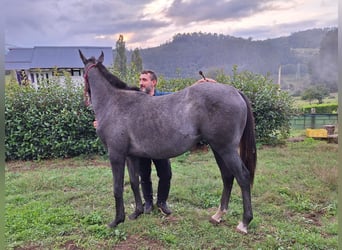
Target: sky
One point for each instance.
(147, 24)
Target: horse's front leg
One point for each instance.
(133, 170)
(118, 171)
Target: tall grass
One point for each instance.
(65, 204)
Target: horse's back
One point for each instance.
(217, 99)
(201, 92)
(203, 103)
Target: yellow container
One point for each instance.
(317, 133)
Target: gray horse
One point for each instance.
(132, 124)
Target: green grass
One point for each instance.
(66, 204)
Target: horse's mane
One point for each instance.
(113, 80)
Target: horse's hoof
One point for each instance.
(114, 223)
(214, 222)
(241, 228)
(135, 215)
(217, 217)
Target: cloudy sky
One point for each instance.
(149, 23)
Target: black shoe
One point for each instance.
(163, 208)
(148, 207)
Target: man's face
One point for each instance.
(146, 84)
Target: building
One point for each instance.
(30, 65)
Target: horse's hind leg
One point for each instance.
(132, 165)
(235, 165)
(227, 179)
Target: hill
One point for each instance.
(188, 53)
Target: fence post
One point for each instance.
(313, 117)
(313, 121)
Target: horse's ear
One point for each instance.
(84, 60)
(101, 58)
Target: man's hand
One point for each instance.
(205, 80)
(95, 124)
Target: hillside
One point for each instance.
(188, 53)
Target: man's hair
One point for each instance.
(153, 75)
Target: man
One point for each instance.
(148, 82)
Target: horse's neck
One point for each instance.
(101, 96)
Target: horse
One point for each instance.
(132, 124)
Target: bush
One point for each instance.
(324, 108)
(52, 121)
(48, 122)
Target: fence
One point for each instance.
(313, 121)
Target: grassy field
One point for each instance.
(66, 204)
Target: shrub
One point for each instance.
(48, 122)
(324, 108)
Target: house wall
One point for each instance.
(34, 76)
(22, 76)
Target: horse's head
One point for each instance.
(108, 76)
(91, 60)
(88, 64)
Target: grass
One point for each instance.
(65, 204)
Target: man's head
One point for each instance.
(148, 81)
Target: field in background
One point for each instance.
(65, 204)
(298, 102)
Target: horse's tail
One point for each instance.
(248, 151)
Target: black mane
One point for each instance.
(113, 80)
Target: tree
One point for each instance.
(120, 63)
(315, 92)
(136, 61)
(133, 70)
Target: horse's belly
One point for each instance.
(161, 148)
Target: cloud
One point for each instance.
(148, 23)
(72, 20)
(201, 10)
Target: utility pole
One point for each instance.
(279, 76)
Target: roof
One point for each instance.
(18, 58)
(50, 57)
